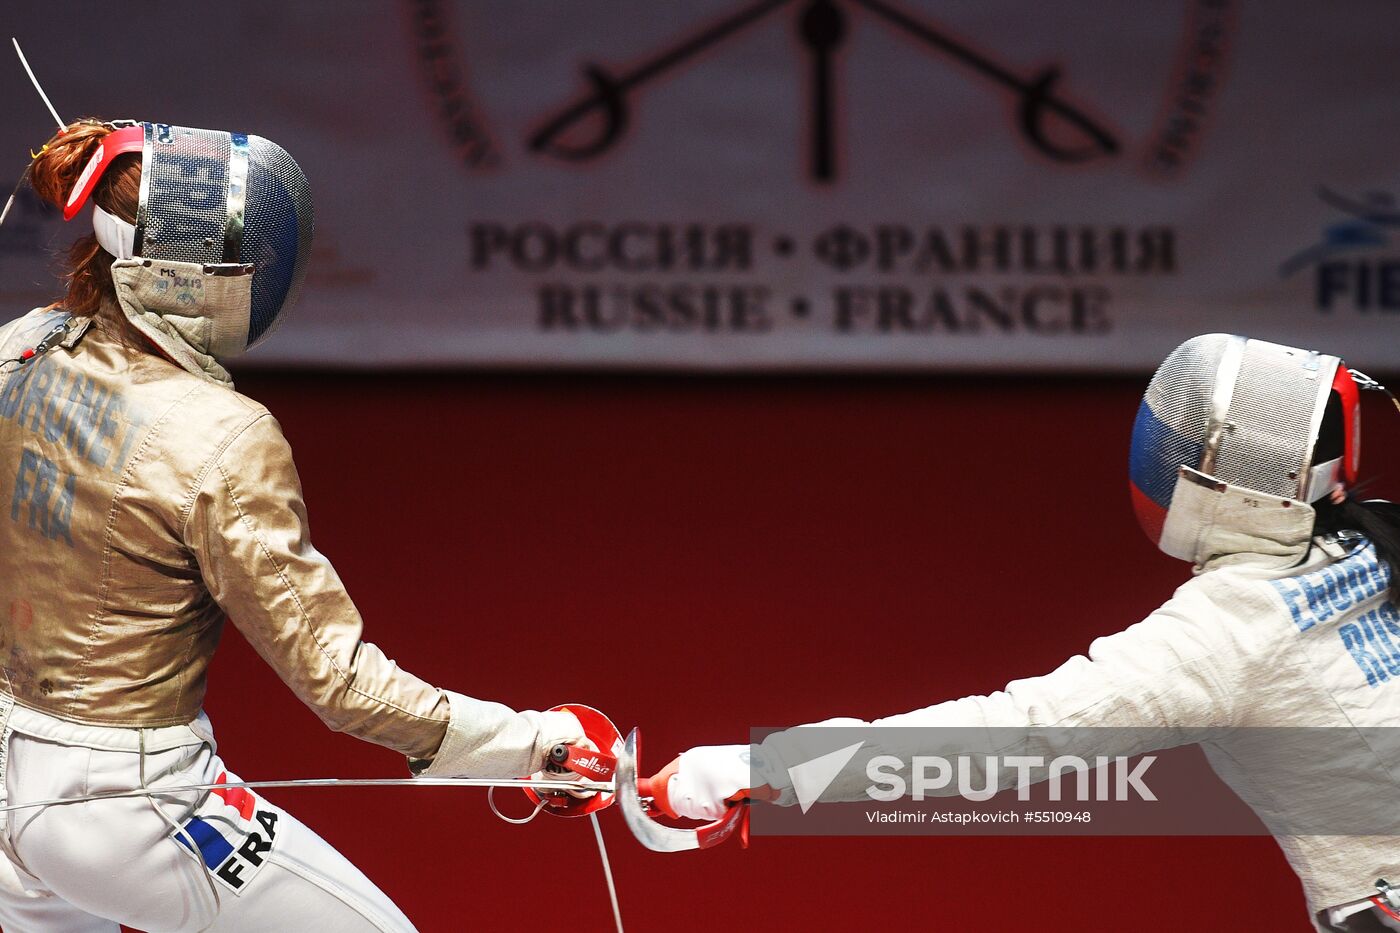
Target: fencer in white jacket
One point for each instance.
(1242, 453)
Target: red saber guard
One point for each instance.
(593, 764)
(600, 763)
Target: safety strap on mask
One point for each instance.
(1322, 479)
(116, 235)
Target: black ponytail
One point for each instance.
(1377, 519)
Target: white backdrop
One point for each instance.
(988, 184)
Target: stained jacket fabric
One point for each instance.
(144, 503)
(1275, 629)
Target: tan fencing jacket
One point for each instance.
(141, 503)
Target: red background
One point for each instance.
(702, 555)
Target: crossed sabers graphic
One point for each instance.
(822, 28)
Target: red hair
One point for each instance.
(89, 267)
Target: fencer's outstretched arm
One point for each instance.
(1178, 669)
(1155, 684)
(247, 527)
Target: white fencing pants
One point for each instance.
(182, 861)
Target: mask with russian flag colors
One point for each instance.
(1227, 412)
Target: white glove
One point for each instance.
(555, 772)
(490, 740)
(703, 783)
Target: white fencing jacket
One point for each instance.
(1276, 628)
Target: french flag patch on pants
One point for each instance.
(233, 832)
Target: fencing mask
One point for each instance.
(222, 234)
(1226, 416)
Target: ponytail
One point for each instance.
(1377, 519)
(88, 269)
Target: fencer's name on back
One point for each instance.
(70, 408)
(1314, 598)
(1372, 639)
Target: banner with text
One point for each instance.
(779, 184)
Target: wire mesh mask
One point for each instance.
(1226, 411)
(229, 203)
(213, 197)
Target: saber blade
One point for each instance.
(11, 201)
(649, 833)
(37, 86)
(605, 787)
